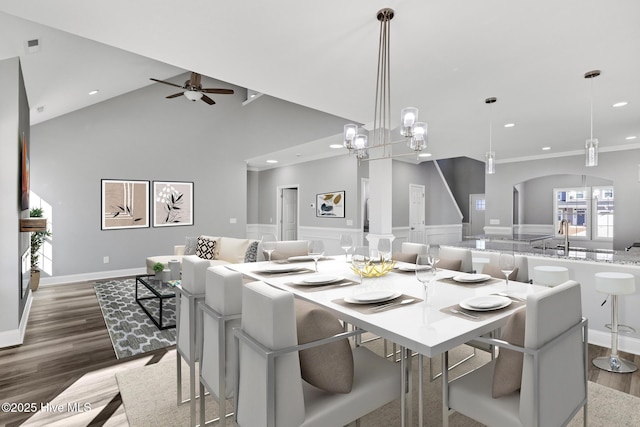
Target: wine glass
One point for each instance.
(360, 259)
(425, 272)
(507, 265)
(346, 242)
(433, 254)
(268, 242)
(316, 250)
(384, 249)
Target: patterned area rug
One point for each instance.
(130, 328)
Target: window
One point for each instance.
(588, 211)
(480, 205)
(46, 251)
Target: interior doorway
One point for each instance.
(417, 214)
(477, 205)
(288, 213)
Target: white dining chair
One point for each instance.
(285, 249)
(221, 310)
(449, 253)
(553, 386)
(270, 389)
(188, 323)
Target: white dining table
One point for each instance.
(423, 327)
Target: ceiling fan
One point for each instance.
(194, 91)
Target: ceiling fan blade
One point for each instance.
(175, 95)
(208, 100)
(219, 91)
(167, 83)
(195, 79)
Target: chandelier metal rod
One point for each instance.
(382, 118)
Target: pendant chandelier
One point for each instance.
(490, 156)
(410, 128)
(591, 146)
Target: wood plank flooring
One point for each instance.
(66, 338)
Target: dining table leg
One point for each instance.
(406, 402)
(445, 389)
(420, 384)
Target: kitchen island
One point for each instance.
(582, 264)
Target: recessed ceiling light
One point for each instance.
(425, 155)
(336, 146)
(272, 161)
(509, 125)
(93, 92)
(631, 137)
(546, 148)
(620, 104)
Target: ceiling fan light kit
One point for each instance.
(193, 90)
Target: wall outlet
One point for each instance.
(494, 222)
(349, 222)
(232, 220)
(105, 260)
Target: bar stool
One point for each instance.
(479, 263)
(550, 275)
(615, 284)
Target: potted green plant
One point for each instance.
(158, 267)
(37, 240)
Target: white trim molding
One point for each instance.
(16, 336)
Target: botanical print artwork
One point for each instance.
(330, 204)
(125, 204)
(173, 203)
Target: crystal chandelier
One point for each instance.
(410, 128)
(591, 145)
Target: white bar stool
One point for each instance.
(615, 284)
(550, 275)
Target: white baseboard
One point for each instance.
(625, 343)
(16, 336)
(74, 278)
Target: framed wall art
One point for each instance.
(125, 204)
(172, 203)
(330, 205)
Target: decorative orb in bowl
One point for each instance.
(376, 269)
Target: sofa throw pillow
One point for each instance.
(328, 367)
(507, 374)
(206, 247)
(252, 252)
(494, 271)
(404, 257)
(190, 243)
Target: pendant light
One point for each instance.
(591, 146)
(490, 156)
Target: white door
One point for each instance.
(416, 214)
(289, 225)
(476, 214)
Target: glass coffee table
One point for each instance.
(163, 315)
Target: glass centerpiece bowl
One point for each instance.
(376, 268)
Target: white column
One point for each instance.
(380, 205)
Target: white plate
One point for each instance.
(485, 303)
(405, 267)
(371, 297)
(471, 278)
(278, 268)
(319, 280)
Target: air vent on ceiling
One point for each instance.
(33, 46)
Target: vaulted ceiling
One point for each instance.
(446, 58)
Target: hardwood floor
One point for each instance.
(66, 338)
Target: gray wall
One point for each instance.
(440, 209)
(621, 167)
(338, 173)
(14, 118)
(142, 135)
(465, 176)
(537, 195)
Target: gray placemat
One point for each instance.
(480, 315)
(266, 274)
(450, 281)
(370, 308)
(316, 288)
